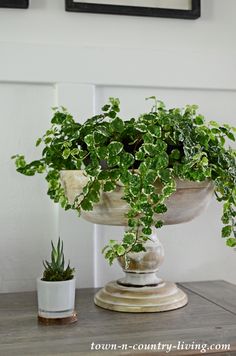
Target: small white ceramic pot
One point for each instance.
(56, 299)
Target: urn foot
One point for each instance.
(163, 297)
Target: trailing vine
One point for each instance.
(162, 144)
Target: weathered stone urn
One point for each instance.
(141, 290)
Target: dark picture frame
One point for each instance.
(14, 4)
(192, 14)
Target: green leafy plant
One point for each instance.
(55, 270)
(162, 144)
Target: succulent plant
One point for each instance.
(55, 270)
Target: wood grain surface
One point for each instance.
(209, 317)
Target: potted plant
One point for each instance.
(56, 290)
(159, 168)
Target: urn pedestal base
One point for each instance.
(163, 297)
(141, 290)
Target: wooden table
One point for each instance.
(209, 317)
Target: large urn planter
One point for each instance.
(141, 290)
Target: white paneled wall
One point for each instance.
(49, 57)
(46, 22)
(28, 219)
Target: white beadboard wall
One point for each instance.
(49, 57)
